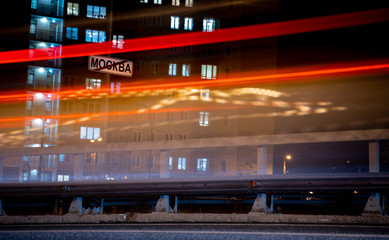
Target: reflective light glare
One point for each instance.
(39, 95)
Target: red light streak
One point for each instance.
(199, 38)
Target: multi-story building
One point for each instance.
(170, 96)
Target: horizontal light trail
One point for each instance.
(260, 78)
(199, 38)
(10, 122)
(256, 79)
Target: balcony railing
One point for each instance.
(48, 10)
(53, 36)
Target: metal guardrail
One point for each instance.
(365, 182)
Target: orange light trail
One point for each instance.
(10, 122)
(199, 38)
(255, 79)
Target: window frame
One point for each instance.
(95, 36)
(188, 23)
(73, 9)
(202, 164)
(97, 12)
(72, 33)
(172, 69)
(175, 22)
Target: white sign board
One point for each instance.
(110, 65)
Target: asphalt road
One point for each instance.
(192, 231)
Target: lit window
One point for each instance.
(33, 26)
(89, 133)
(29, 104)
(118, 87)
(176, 2)
(117, 41)
(181, 164)
(170, 163)
(174, 22)
(94, 36)
(208, 71)
(204, 94)
(185, 70)
(34, 4)
(172, 69)
(63, 178)
(73, 9)
(188, 24)
(188, 3)
(72, 33)
(157, 1)
(209, 24)
(203, 121)
(92, 83)
(115, 87)
(202, 164)
(96, 12)
(144, 1)
(83, 133)
(96, 133)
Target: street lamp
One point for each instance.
(287, 157)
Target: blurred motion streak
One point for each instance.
(131, 89)
(198, 38)
(227, 99)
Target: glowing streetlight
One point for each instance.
(287, 157)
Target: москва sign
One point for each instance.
(110, 65)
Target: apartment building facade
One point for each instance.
(162, 101)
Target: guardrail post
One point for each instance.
(1, 208)
(175, 205)
(260, 205)
(102, 206)
(373, 206)
(374, 156)
(76, 206)
(163, 205)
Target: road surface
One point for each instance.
(193, 231)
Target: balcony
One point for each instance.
(49, 10)
(47, 35)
